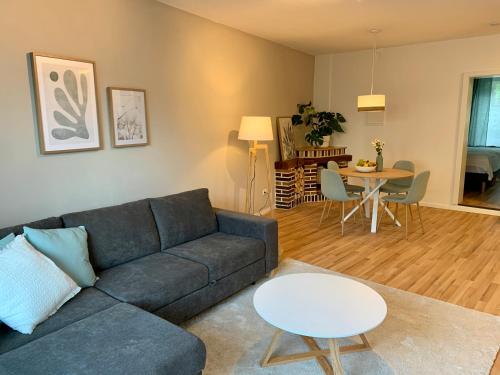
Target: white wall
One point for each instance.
(200, 78)
(422, 84)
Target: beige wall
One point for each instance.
(422, 84)
(200, 79)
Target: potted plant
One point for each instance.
(322, 124)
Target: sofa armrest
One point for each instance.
(258, 227)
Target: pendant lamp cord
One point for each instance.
(373, 59)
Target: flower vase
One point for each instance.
(380, 163)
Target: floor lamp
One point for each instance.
(255, 129)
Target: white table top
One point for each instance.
(319, 305)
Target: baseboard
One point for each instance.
(457, 207)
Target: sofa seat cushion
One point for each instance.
(118, 340)
(183, 217)
(84, 304)
(153, 281)
(222, 253)
(117, 234)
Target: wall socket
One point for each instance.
(264, 191)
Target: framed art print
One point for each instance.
(128, 117)
(286, 138)
(66, 103)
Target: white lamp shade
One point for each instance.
(371, 103)
(256, 128)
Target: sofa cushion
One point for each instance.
(121, 339)
(85, 303)
(153, 281)
(117, 234)
(67, 248)
(183, 217)
(222, 253)
(7, 240)
(32, 287)
(49, 223)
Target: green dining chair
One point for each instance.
(399, 185)
(414, 195)
(333, 188)
(332, 165)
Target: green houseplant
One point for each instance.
(322, 124)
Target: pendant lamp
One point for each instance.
(372, 102)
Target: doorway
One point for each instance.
(480, 169)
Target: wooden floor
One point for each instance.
(489, 199)
(457, 260)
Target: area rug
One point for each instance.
(419, 336)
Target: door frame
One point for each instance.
(463, 130)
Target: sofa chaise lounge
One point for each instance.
(160, 261)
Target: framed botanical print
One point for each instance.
(66, 104)
(128, 117)
(286, 138)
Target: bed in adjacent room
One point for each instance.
(483, 165)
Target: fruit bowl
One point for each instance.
(365, 169)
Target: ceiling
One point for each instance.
(323, 26)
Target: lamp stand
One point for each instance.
(252, 159)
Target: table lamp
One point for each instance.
(255, 129)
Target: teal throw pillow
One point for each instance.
(67, 248)
(4, 241)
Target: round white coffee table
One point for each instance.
(317, 305)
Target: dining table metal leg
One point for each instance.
(382, 216)
(367, 192)
(375, 208)
(396, 214)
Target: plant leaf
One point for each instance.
(297, 120)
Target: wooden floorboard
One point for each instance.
(457, 260)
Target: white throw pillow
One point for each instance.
(32, 287)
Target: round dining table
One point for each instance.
(378, 179)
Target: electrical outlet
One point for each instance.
(264, 191)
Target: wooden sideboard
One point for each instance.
(298, 180)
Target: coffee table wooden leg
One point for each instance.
(365, 341)
(322, 360)
(271, 347)
(335, 354)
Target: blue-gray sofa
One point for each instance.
(160, 261)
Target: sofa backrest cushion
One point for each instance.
(49, 223)
(117, 234)
(183, 217)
